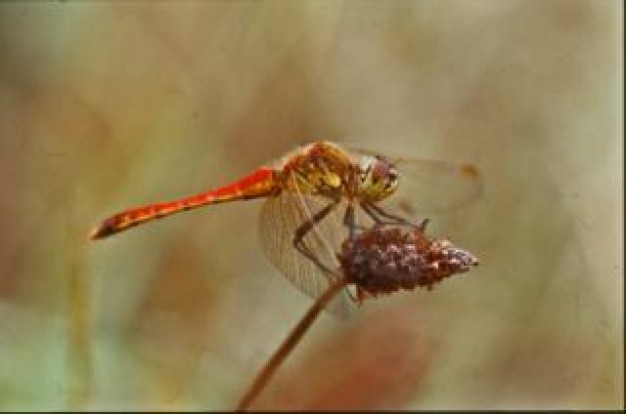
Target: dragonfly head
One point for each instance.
(378, 178)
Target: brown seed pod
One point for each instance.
(385, 259)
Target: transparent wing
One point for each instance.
(432, 187)
(427, 186)
(281, 217)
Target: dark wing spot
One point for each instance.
(470, 171)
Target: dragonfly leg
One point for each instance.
(349, 220)
(305, 228)
(372, 215)
(375, 212)
(422, 225)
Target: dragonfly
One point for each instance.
(317, 194)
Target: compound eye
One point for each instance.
(393, 175)
(392, 180)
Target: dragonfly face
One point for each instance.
(378, 178)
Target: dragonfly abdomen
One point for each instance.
(260, 183)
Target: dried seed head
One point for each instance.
(382, 260)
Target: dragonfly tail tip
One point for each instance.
(100, 232)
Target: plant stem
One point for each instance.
(288, 344)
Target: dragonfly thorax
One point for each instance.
(378, 178)
(320, 168)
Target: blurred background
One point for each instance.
(107, 105)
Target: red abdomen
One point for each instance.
(260, 183)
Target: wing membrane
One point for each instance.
(428, 187)
(281, 217)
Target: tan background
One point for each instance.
(107, 105)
